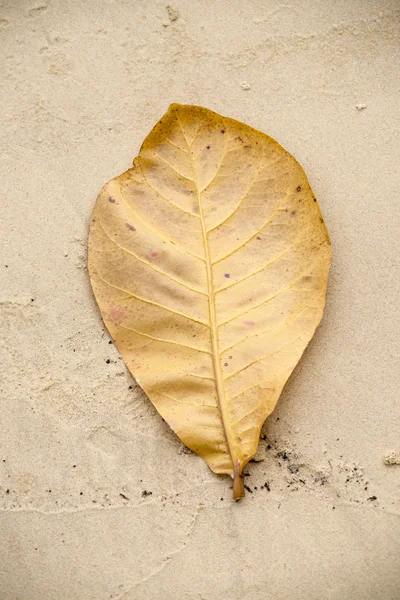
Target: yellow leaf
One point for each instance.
(209, 261)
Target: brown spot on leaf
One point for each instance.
(130, 227)
(153, 254)
(112, 200)
(293, 212)
(116, 313)
(227, 275)
(248, 323)
(222, 130)
(298, 189)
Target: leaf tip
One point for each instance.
(174, 106)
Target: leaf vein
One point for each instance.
(149, 264)
(162, 340)
(176, 145)
(196, 375)
(277, 326)
(238, 204)
(268, 299)
(165, 197)
(217, 171)
(247, 390)
(262, 358)
(271, 262)
(230, 435)
(172, 167)
(151, 302)
(272, 216)
(175, 400)
(147, 224)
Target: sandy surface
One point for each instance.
(98, 499)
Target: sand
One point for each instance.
(98, 498)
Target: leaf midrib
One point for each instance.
(215, 351)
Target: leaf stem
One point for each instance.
(238, 484)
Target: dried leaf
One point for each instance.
(209, 261)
